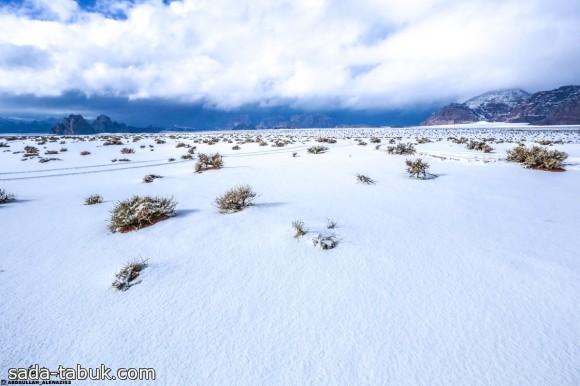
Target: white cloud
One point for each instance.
(356, 54)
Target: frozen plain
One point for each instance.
(469, 278)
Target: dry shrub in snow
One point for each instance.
(30, 150)
(236, 199)
(4, 144)
(151, 177)
(479, 145)
(138, 212)
(298, 226)
(325, 242)
(326, 140)
(127, 150)
(208, 161)
(365, 179)
(375, 140)
(317, 149)
(236, 147)
(537, 157)
(5, 197)
(330, 223)
(85, 152)
(402, 149)
(93, 199)
(126, 276)
(417, 168)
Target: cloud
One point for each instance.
(373, 54)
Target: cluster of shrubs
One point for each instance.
(208, 161)
(401, 149)
(151, 177)
(537, 157)
(479, 145)
(320, 240)
(94, 199)
(326, 140)
(127, 150)
(459, 141)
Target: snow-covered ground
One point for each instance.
(469, 278)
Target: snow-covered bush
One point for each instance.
(326, 140)
(236, 199)
(30, 150)
(402, 149)
(126, 276)
(423, 140)
(93, 199)
(365, 179)
(375, 140)
(138, 212)
(317, 149)
(417, 168)
(127, 150)
(479, 145)
(537, 157)
(151, 177)
(298, 226)
(330, 223)
(325, 242)
(5, 197)
(206, 161)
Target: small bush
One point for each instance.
(186, 156)
(423, 140)
(85, 152)
(317, 149)
(330, 223)
(325, 242)
(537, 157)
(45, 160)
(151, 177)
(479, 145)
(326, 140)
(127, 150)
(5, 197)
(401, 149)
(236, 199)
(365, 179)
(298, 226)
(94, 199)
(125, 277)
(124, 160)
(294, 155)
(51, 152)
(138, 212)
(375, 140)
(206, 161)
(180, 144)
(417, 168)
(63, 150)
(4, 144)
(236, 147)
(171, 159)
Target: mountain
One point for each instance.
(555, 107)
(76, 124)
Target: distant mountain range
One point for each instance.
(560, 106)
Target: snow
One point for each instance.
(510, 97)
(469, 278)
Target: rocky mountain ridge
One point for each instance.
(560, 106)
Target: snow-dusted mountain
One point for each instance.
(559, 106)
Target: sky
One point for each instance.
(57, 56)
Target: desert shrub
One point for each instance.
(362, 143)
(236, 199)
(537, 157)
(186, 156)
(180, 144)
(365, 179)
(479, 145)
(45, 160)
(417, 168)
(93, 199)
(423, 140)
(5, 197)
(4, 144)
(236, 147)
(113, 141)
(171, 159)
(159, 141)
(330, 223)
(51, 152)
(263, 143)
(459, 141)
(317, 149)
(127, 150)
(298, 226)
(402, 149)
(138, 212)
(151, 177)
(191, 150)
(326, 140)
(63, 149)
(375, 140)
(85, 152)
(31, 150)
(124, 160)
(206, 161)
(125, 277)
(325, 241)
